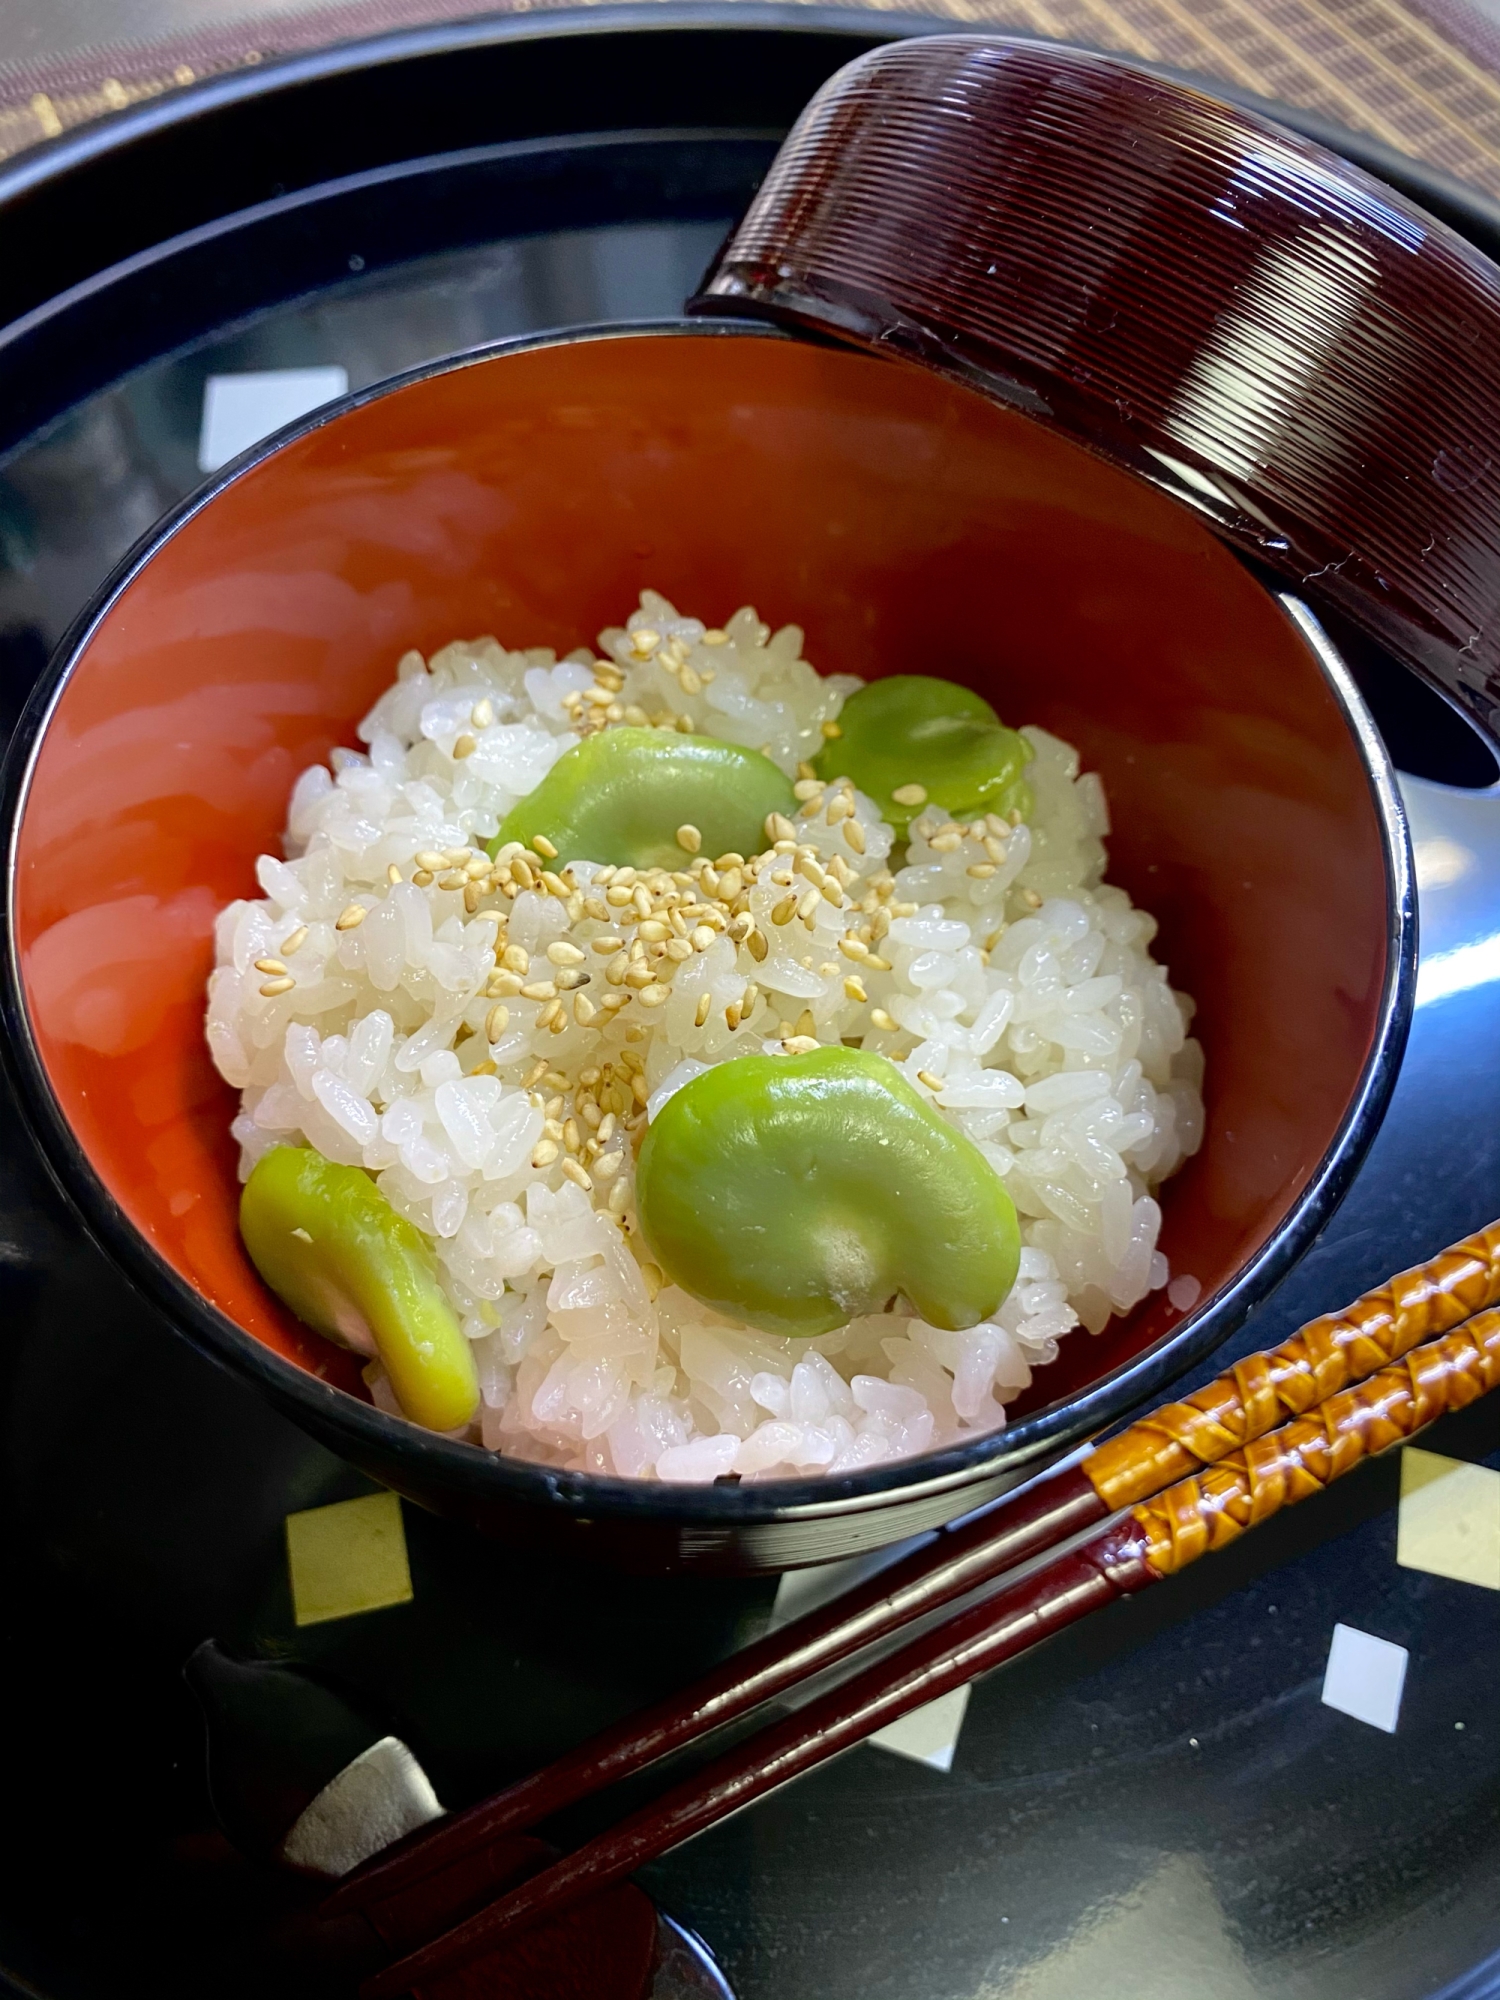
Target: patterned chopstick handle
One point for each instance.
(1328, 1354)
(1215, 1506)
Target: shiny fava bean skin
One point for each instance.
(795, 1192)
(620, 797)
(912, 730)
(331, 1247)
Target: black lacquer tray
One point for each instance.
(1159, 1805)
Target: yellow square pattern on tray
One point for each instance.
(347, 1558)
(1449, 1518)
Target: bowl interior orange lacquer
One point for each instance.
(906, 523)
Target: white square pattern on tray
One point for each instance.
(239, 410)
(1364, 1677)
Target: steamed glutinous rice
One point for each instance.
(1009, 980)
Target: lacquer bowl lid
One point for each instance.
(1232, 313)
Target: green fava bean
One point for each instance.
(619, 798)
(914, 730)
(795, 1192)
(330, 1246)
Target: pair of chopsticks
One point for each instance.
(1191, 1477)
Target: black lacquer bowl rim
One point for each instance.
(467, 1472)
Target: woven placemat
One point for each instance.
(1424, 78)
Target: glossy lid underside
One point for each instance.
(906, 522)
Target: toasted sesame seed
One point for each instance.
(562, 953)
(543, 846)
(714, 637)
(485, 1069)
(482, 714)
(840, 806)
(569, 979)
(503, 985)
(701, 1012)
(539, 989)
(544, 1153)
(272, 966)
(432, 859)
(653, 993)
(613, 1002)
(832, 893)
(393, 874)
(273, 987)
(677, 950)
(809, 903)
(296, 941)
(779, 827)
(758, 945)
(689, 838)
(465, 745)
(981, 870)
(805, 1024)
(702, 936)
(910, 795)
(578, 1175)
(854, 989)
(881, 1019)
(932, 1082)
(808, 788)
(829, 731)
(584, 1009)
(515, 958)
(1031, 899)
(496, 1022)
(799, 1045)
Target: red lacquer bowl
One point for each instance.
(531, 491)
